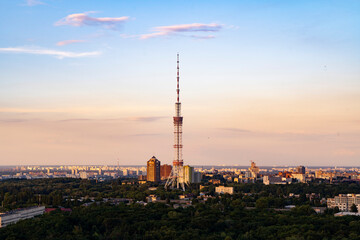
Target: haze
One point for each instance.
(93, 82)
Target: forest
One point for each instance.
(251, 213)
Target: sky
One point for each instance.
(94, 82)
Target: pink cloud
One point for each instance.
(81, 19)
(66, 42)
(183, 28)
(55, 53)
(33, 3)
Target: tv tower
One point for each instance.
(176, 178)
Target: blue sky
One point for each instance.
(270, 81)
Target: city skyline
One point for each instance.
(91, 84)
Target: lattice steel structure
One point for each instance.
(176, 178)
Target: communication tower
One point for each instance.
(176, 178)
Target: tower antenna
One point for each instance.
(178, 80)
(176, 177)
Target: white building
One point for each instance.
(344, 202)
(223, 190)
(17, 215)
(276, 180)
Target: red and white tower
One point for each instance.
(176, 178)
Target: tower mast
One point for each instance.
(176, 178)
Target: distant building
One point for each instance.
(83, 175)
(153, 170)
(74, 171)
(254, 170)
(197, 177)
(344, 202)
(223, 190)
(276, 180)
(188, 174)
(141, 177)
(299, 176)
(17, 215)
(152, 198)
(248, 174)
(215, 181)
(165, 171)
(301, 170)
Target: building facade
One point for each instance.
(344, 202)
(153, 170)
(223, 190)
(301, 170)
(188, 174)
(165, 171)
(197, 177)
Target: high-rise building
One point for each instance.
(153, 170)
(165, 171)
(188, 174)
(301, 169)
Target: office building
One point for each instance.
(153, 170)
(301, 169)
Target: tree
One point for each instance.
(353, 208)
(262, 203)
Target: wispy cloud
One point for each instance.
(33, 3)
(76, 120)
(15, 120)
(287, 136)
(133, 119)
(239, 130)
(55, 53)
(145, 119)
(82, 19)
(184, 28)
(144, 135)
(66, 42)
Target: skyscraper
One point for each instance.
(153, 170)
(301, 169)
